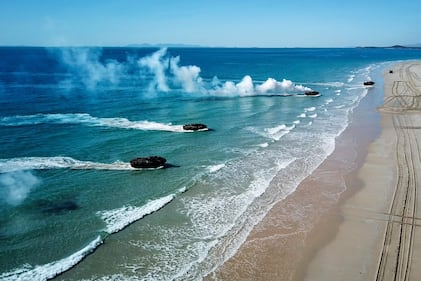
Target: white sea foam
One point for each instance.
(215, 168)
(182, 189)
(118, 219)
(50, 270)
(216, 218)
(276, 129)
(87, 119)
(302, 115)
(276, 133)
(57, 162)
(117, 277)
(309, 109)
(263, 145)
(182, 251)
(192, 131)
(313, 115)
(254, 130)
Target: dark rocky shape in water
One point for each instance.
(311, 93)
(151, 162)
(195, 127)
(59, 207)
(368, 83)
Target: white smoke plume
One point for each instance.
(271, 85)
(16, 186)
(167, 71)
(156, 64)
(85, 65)
(164, 73)
(246, 87)
(187, 76)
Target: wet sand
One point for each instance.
(356, 217)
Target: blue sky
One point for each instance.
(244, 23)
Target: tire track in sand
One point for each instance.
(397, 252)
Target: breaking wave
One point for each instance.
(273, 133)
(116, 220)
(120, 218)
(215, 168)
(50, 270)
(276, 133)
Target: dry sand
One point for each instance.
(380, 238)
(356, 217)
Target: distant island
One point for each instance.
(415, 46)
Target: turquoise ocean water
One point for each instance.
(71, 119)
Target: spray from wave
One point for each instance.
(162, 73)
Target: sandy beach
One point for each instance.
(356, 217)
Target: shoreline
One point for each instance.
(340, 213)
(379, 232)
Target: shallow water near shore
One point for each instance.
(69, 130)
(281, 246)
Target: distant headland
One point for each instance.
(415, 46)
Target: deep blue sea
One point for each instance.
(71, 119)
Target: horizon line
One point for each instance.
(170, 45)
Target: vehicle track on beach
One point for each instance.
(397, 252)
